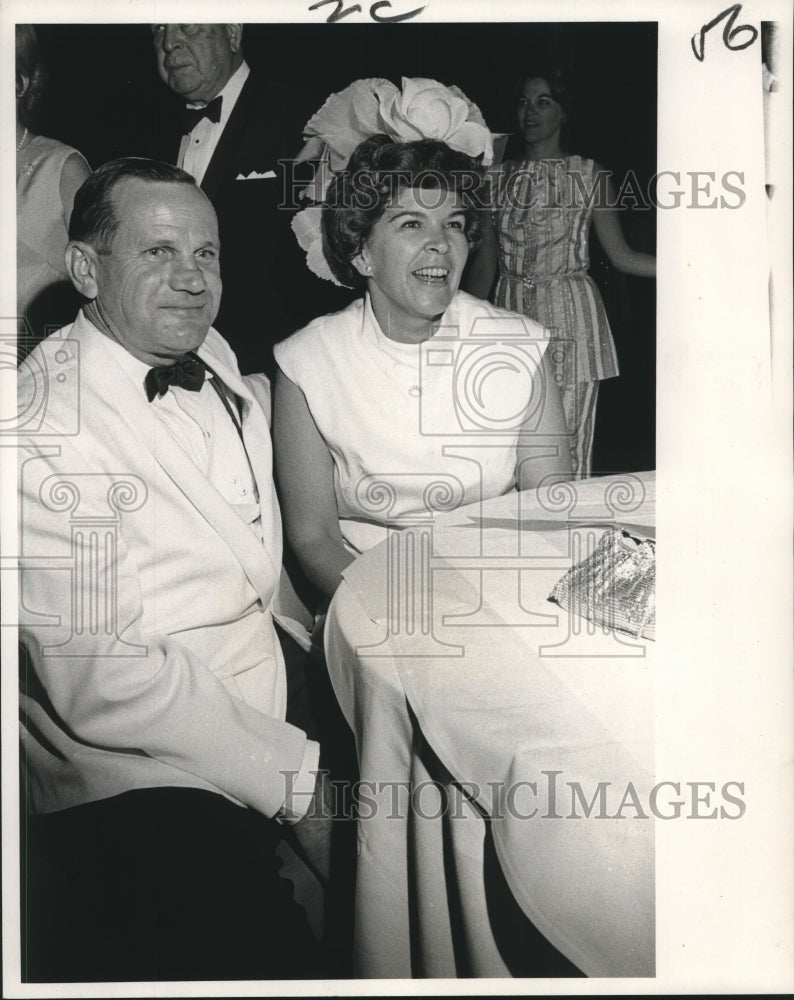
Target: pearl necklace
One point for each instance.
(21, 142)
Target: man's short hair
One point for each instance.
(93, 218)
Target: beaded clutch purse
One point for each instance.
(615, 586)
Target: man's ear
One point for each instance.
(234, 32)
(81, 263)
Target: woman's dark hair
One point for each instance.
(93, 217)
(558, 77)
(378, 170)
(28, 68)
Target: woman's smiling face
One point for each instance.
(414, 258)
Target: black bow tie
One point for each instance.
(188, 372)
(192, 116)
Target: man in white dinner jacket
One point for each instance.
(158, 768)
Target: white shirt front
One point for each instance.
(204, 429)
(197, 147)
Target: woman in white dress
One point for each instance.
(48, 174)
(417, 397)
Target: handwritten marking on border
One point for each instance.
(729, 32)
(375, 9)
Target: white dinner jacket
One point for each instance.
(151, 654)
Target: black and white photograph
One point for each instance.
(347, 350)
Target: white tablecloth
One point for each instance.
(476, 703)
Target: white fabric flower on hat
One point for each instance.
(307, 226)
(426, 109)
(345, 120)
(423, 109)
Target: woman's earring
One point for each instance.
(362, 266)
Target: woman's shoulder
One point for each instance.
(44, 148)
(512, 166)
(324, 333)
(581, 164)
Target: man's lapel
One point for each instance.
(170, 152)
(129, 403)
(225, 156)
(256, 435)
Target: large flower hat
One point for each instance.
(423, 109)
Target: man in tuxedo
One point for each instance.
(159, 769)
(236, 135)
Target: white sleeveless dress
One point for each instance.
(416, 428)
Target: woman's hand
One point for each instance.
(305, 474)
(610, 236)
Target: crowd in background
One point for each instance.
(106, 73)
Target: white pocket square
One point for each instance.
(254, 176)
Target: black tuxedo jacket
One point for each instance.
(268, 291)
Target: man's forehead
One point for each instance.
(140, 189)
(193, 29)
(140, 204)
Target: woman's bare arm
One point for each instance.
(610, 236)
(544, 444)
(305, 472)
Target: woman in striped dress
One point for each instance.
(543, 208)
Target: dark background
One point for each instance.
(105, 99)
